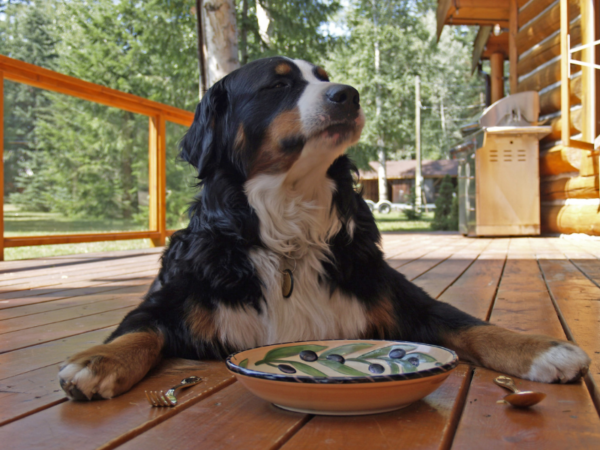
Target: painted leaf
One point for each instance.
(286, 352)
(407, 367)
(346, 349)
(244, 363)
(342, 368)
(384, 351)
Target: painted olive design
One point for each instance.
(286, 369)
(414, 361)
(308, 355)
(336, 358)
(397, 353)
(376, 368)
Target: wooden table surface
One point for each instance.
(51, 308)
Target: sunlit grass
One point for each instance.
(397, 221)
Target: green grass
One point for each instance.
(25, 223)
(397, 221)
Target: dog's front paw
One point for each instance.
(89, 376)
(562, 362)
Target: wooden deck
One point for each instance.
(54, 307)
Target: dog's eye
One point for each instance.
(279, 84)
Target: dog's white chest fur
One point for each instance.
(295, 233)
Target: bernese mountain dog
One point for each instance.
(281, 247)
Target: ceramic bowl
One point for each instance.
(343, 377)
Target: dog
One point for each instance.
(281, 247)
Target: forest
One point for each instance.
(78, 159)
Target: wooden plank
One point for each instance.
(17, 340)
(71, 302)
(157, 179)
(230, 418)
(40, 277)
(80, 288)
(32, 322)
(38, 356)
(479, 45)
(22, 72)
(107, 424)
(429, 260)
(557, 125)
(566, 418)
(86, 277)
(438, 279)
(428, 423)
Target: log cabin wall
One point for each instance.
(569, 176)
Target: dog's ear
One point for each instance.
(200, 145)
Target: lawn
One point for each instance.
(24, 223)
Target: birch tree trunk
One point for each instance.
(219, 39)
(381, 156)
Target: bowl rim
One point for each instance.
(234, 368)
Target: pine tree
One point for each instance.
(445, 205)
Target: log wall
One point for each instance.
(569, 177)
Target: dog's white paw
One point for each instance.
(562, 363)
(80, 382)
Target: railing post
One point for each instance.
(1, 166)
(157, 179)
(565, 72)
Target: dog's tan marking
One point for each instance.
(201, 323)
(283, 69)
(381, 320)
(323, 75)
(522, 355)
(113, 368)
(240, 138)
(270, 157)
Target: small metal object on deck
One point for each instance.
(160, 398)
(519, 399)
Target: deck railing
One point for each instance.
(158, 114)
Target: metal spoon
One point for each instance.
(519, 399)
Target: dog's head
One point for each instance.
(274, 115)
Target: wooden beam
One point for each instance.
(557, 125)
(544, 25)
(157, 189)
(559, 160)
(553, 188)
(533, 9)
(483, 34)
(442, 11)
(569, 219)
(547, 50)
(513, 56)
(544, 77)
(1, 166)
(32, 75)
(550, 100)
(497, 76)
(565, 93)
(26, 241)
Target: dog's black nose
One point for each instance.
(344, 95)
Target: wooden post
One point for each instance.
(497, 66)
(565, 91)
(588, 74)
(1, 166)
(157, 179)
(418, 177)
(513, 55)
